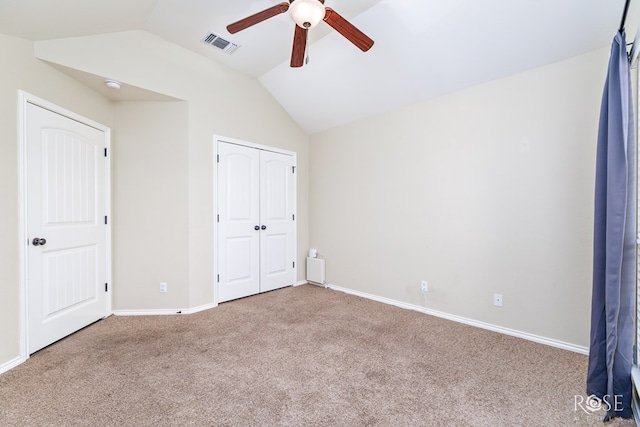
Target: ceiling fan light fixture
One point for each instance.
(307, 13)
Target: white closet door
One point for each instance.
(256, 226)
(276, 217)
(239, 210)
(65, 225)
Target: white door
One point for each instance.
(256, 223)
(239, 216)
(276, 221)
(65, 207)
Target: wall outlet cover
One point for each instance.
(497, 300)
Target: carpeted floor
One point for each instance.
(303, 356)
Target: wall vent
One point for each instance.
(222, 44)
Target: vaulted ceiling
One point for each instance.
(423, 48)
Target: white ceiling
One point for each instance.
(423, 48)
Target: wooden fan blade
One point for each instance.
(258, 17)
(347, 29)
(299, 46)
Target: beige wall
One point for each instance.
(150, 157)
(488, 190)
(21, 71)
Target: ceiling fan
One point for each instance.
(306, 14)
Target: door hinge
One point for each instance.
(218, 217)
(293, 217)
(105, 151)
(294, 264)
(105, 220)
(217, 158)
(106, 287)
(218, 278)
(293, 169)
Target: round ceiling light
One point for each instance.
(113, 84)
(307, 13)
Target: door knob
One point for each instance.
(38, 241)
(257, 227)
(264, 227)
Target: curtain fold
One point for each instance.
(614, 251)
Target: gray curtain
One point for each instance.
(614, 253)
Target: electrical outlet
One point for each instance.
(163, 287)
(424, 286)
(497, 300)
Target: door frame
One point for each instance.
(25, 98)
(216, 140)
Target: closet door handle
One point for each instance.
(38, 241)
(264, 227)
(257, 227)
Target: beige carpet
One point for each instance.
(303, 356)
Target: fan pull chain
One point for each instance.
(306, 49)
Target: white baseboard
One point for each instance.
(163, 312)
(300, 282)
(495, 328)
(11, 364)
(306, 282)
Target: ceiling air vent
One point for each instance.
(220, 43)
